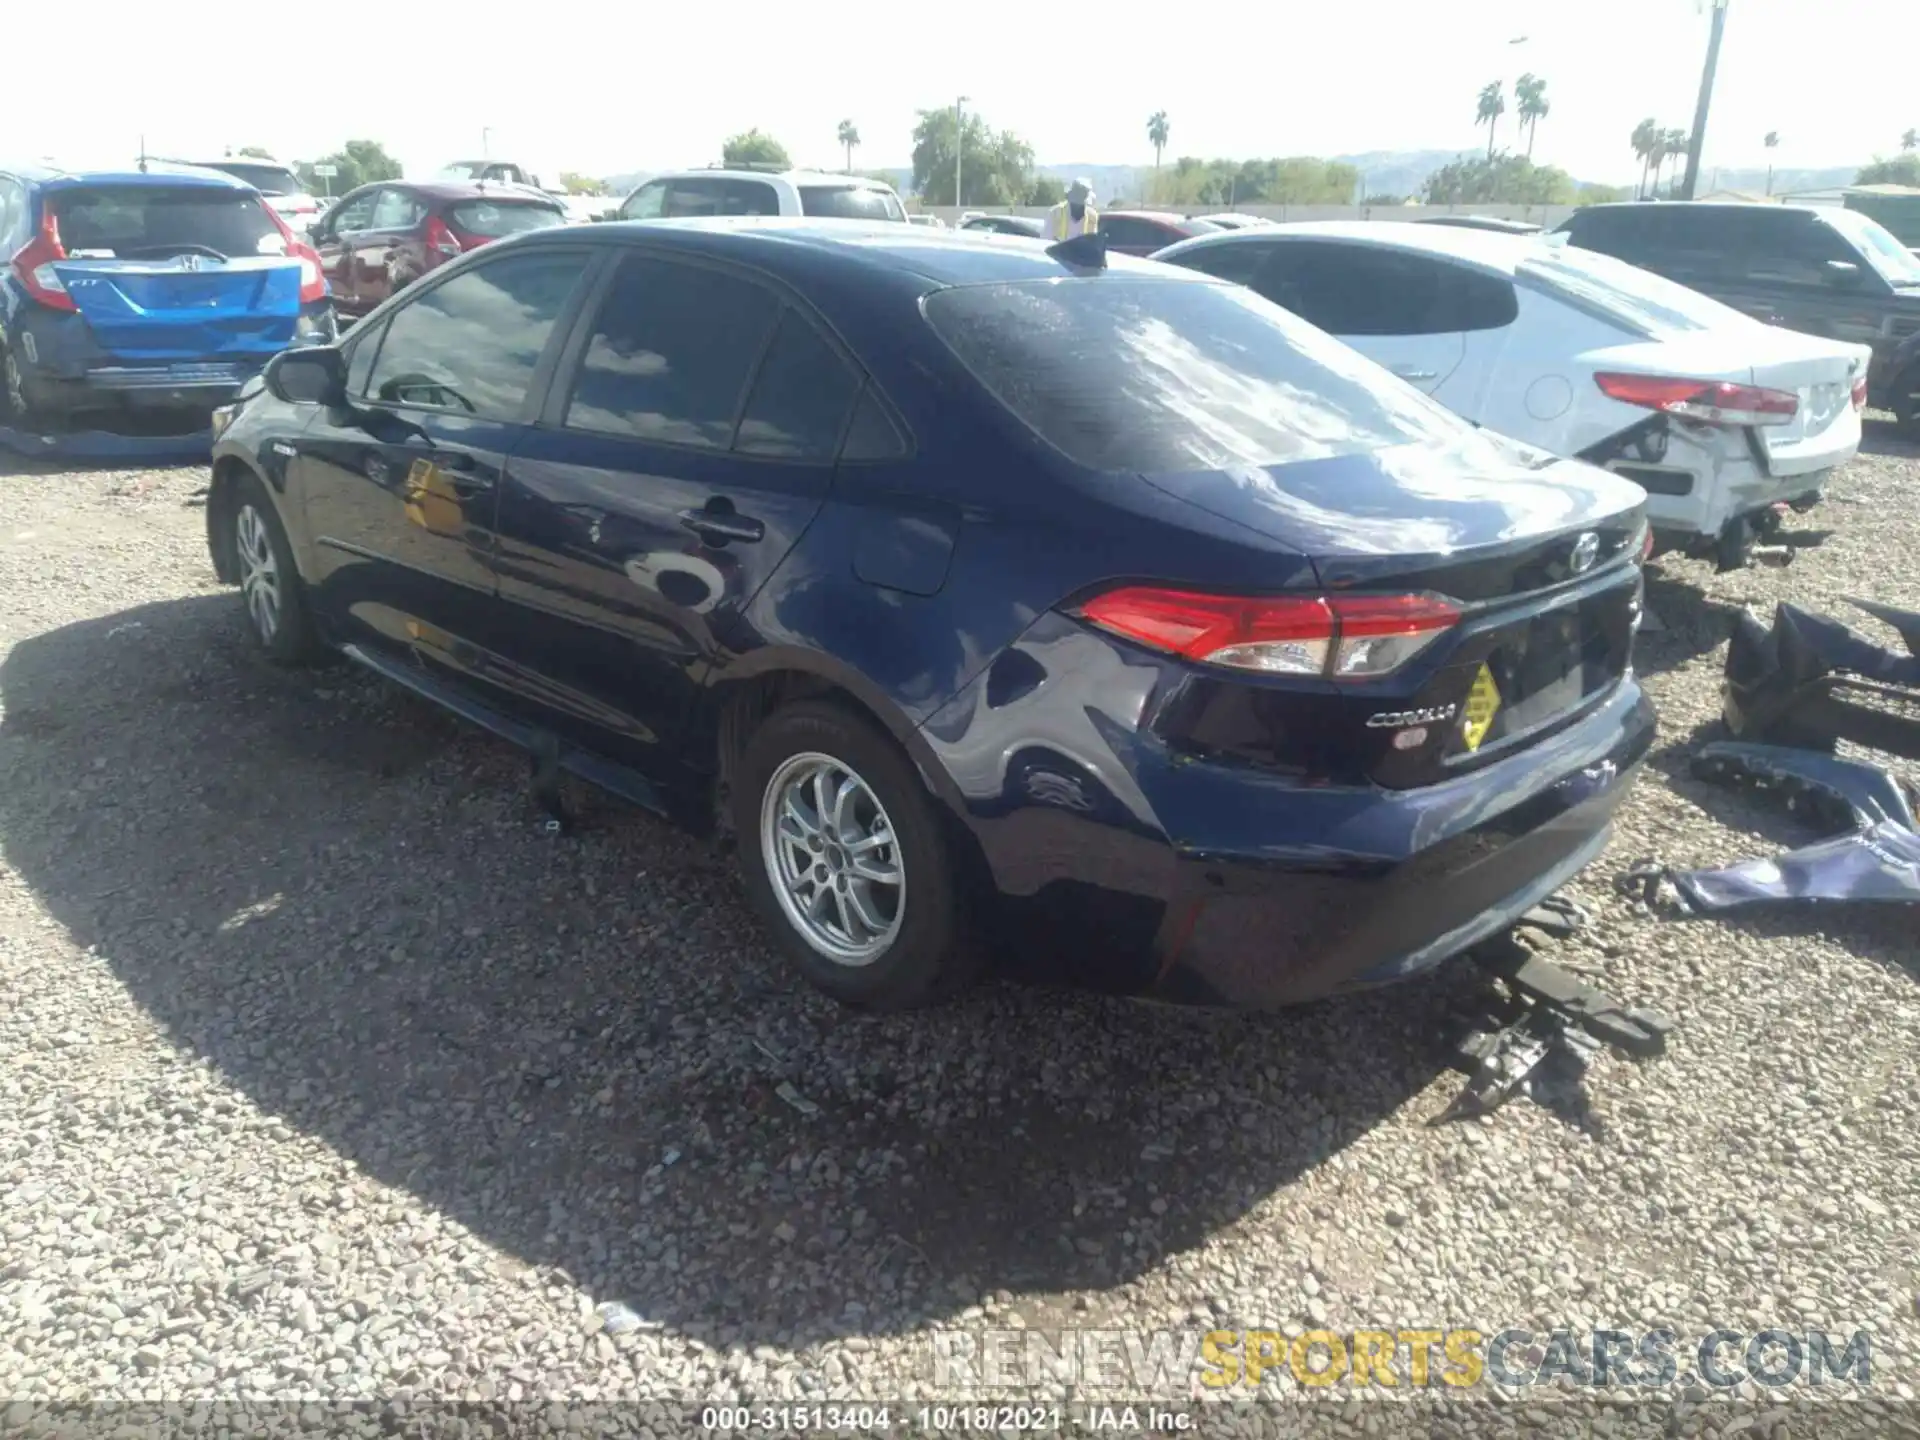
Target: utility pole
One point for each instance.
(959, 147)
(1699, 136)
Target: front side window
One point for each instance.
(1235, 262)
(1896, 264)
(1167, 376)
(649, 202)
(672, 349)
(352, 215)
(471, 345)
(155, 222)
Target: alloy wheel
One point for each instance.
(833, 858)
(259, 571)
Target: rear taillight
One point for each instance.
(313, 279)
(441, 240)
(33, 265)
(1860, 393)
(1338, 637)
(1717, 402)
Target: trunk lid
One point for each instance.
(1540, 555)
(186, 307)
(1824, 431)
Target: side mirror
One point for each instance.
(1843, 274)
(314, 375)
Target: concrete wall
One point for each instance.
(1547, 215)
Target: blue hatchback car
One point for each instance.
(994, 597)
(163, 288)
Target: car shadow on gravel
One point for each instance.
(1883, 437)
(580, 1049)
(1691, 624)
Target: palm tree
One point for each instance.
(1772, 142)
(1910, 140)
(1645, 135)
(1157, 131)
(1530, 91)
(1493, 104)
(1657, 155)
(849, 140)
(1677, 143)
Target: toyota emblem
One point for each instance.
(1586, 550)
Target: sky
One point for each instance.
(603, 89)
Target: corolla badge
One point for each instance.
(1586, 550)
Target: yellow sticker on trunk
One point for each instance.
(1483, 703)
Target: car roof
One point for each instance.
(942, 257)
(459, 190)
(1695, 206)
(792, 177)
(157, 172)
(1489, 249)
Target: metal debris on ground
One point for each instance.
(1875, 857)
(1545, 1015)
(794, 1098)
(1810, 681)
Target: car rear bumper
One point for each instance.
(67, 371)
(1703, 483)
(1134, 868)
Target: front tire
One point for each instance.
(843, 856)
(274, 599)
(1906, 403)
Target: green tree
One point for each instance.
(254, 152)
(754, 147)
(575, 183)
(1503, 180)
(1530, 103)
(1908, 141)
(1601, 194)
(1646, 135)
(849, 136)
(1046, 191)
(358, 162)
(996, 166)
(1493, 104)
(1901, 170)
(1158, 132)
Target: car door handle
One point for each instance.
(716, 526)
(1414, 372)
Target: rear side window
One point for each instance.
(153, 222)
(800, 397)
(1166, 376)
(1237, 263)
(719, 195)
(670, 355)
(397, 210)
(1372, 290)
(494, 218)
(472, 344)
(850, 202)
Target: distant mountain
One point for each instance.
(1785, 182)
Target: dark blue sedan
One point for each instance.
(993, 598)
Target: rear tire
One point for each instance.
(1906, 403)
(274, 599)
(842, 853)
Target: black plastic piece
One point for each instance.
(1810, 681)
(1083, 252)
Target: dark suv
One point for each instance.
(1817, 269)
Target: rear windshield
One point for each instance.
(267, 179)
(138, 222)
(1160, 377)
(1645, 303)
(850, 202)
(494, 218)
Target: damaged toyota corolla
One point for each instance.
(994, 599)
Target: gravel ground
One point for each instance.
(325, 1072)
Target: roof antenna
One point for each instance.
(1084, 252)
(143, 154)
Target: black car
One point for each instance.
(1819, 269)
(940, 571)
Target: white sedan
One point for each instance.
(1719, 417)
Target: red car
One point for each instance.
(382, 237)
(1141, 232)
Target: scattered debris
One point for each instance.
(1810, 681)
(1877, 858)
(794, 1098)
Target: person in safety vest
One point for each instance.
(1074, 215)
